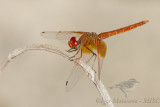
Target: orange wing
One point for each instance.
(121, 30)
(101, 52)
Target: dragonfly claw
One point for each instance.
(71, 50)
(71, 59)
(94, 70)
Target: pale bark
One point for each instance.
(90, 72)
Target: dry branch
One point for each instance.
(90, 72)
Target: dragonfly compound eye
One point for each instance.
(70, 44)
(75, 43)
(73, 39)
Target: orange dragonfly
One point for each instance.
(86, 43)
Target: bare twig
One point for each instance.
(90, 73)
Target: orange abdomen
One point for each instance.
(121, 30)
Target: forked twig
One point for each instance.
(90, 72)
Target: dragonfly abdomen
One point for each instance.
(121, 30)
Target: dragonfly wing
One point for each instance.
(101, 52)
(61, 35)
(100, 63)
(76, 73)
(74, 77)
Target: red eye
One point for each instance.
(75, 43)
(73, 39)
(70, 44)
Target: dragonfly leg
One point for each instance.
(94, 60)
(71, 50)
(93, 54)
(80, 56)
(71, 58)
(91, 57)
(68, 50)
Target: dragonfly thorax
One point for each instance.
(73, 43)
(93, 33)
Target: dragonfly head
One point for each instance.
(73, 43)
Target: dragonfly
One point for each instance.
(88, 43)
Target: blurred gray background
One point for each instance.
(37, 78)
